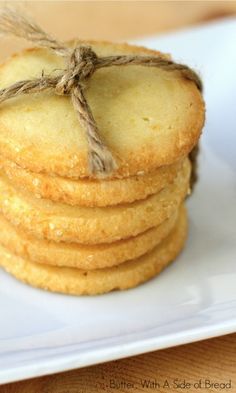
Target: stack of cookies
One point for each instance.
(65, 231)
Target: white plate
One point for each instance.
(193, 299)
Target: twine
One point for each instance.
(81, 63)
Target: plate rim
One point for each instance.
(65, 363)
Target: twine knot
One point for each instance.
(81, 66)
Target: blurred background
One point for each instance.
(117, 20)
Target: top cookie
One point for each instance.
(146, 116)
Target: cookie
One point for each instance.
(59, 222)
(146, 116)
(91, 193)
(81, 282)
(82, 256)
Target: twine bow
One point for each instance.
(81, 63)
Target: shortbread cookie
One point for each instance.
(59, 222)
(85, 192)
(82, 256)
(146, 116)
(82, 282)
